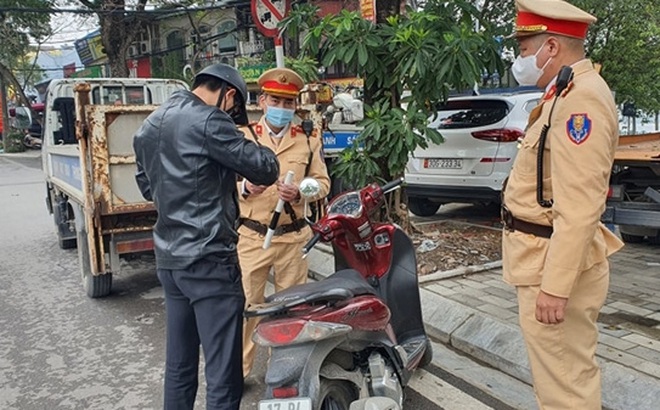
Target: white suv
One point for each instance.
(481, 135)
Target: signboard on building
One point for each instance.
(251, 73)
(139, 68)
(368, 10)
(247, 48)
(68, 69)
(89, 72)
(90, 48)
(268, 13)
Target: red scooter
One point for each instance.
(357, 336)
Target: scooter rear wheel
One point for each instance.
(336, 394)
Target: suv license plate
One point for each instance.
(299, 403)
(443, 163)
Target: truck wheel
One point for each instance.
(66, 243)
(95, 286)
(336, 395)
(628, 238)
(422, 206)
(61, 223)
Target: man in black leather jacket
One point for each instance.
(188, 154)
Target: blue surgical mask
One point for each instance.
(279, 117)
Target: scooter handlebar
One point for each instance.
(309, 245)
(392, 185)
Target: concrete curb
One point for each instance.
(501, 345)
(464, 270)
(24, 154)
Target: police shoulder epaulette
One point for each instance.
(567, 89)
(298, 129)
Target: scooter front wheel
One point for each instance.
(427, 358)
(336, 394)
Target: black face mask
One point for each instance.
(237, 112)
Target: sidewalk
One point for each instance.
(30, 153)
(477, 314)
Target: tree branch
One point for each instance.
(88, 4)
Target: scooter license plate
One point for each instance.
(298, 403)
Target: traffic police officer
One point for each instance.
(554, 247)
(296, 152)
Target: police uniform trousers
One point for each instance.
(204, 304)
(289, 269)
(562, 356)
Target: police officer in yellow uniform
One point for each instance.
(554, 247)
(296, 152)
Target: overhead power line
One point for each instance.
(167, 11)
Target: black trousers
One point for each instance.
(204, 303)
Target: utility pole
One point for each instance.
(5, 116)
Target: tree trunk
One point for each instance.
(385, 9)
(116, 39)
(118, 31)
(9, 79)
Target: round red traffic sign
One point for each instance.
(268, 13)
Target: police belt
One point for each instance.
(261, 229)
(512, 223)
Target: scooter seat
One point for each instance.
(341, 285)
(344, 284)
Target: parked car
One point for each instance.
(481, 135)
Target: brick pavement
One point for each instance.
(629, 321)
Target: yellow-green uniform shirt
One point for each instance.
(578, 156)
(293, 153)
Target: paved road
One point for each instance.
(62, 350)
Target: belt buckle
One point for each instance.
(507, 218)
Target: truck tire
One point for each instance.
(95, 286)
(66, 243)
(422, 206)
(61, 221)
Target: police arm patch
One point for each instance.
(578, 128)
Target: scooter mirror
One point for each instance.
(375, 403)
(309, 188)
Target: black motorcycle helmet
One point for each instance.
(231, 77)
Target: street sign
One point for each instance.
(268, 13)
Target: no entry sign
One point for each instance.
(268, 13)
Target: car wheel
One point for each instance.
(422, 206)
(628, 238)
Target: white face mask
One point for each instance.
(525, 70)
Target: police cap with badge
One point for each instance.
(281, 82)
(551, 17)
